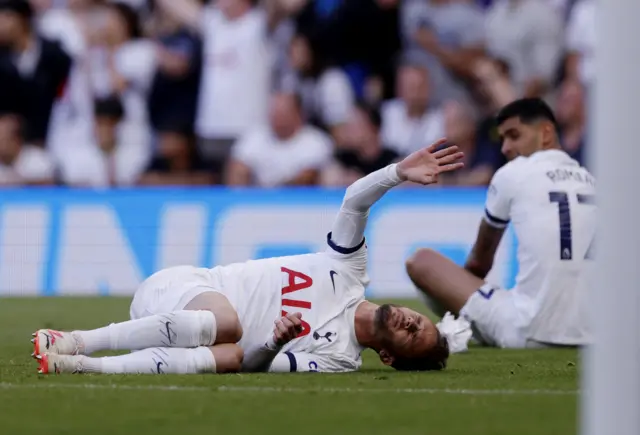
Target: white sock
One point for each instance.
(154, 361)
(177, 329)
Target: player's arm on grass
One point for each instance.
(270, 358)
(423, 167)
(497, 214)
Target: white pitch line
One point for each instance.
(433, 391)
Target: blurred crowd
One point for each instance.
(100, 93)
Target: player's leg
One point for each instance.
(222, 358)
(172, 329)
(490, 309)
(442, 281)
(165, 313)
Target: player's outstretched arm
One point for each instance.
(421, 167)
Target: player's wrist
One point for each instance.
(396, 172)
(272, 344)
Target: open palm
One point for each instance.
(424, 166)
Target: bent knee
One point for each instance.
(228, 358)
(229, 327)
(420, 260)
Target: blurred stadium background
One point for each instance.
(131, 109)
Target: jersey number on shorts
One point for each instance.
(564, 213)
(292, 287)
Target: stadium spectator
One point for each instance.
(177, 163)
(123, 63)
(410, 121)
(493, 84)
(113, 158)
(362, 36)
(364, 151)
(21, 164)
(481, 158)
(236, 71)
(527, 35)
(286, 152)
(571, 114)
(40, 67)
(77, 27)
(174, 91)
(446, 36)
(581, 40)
(327, 96)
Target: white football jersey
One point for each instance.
(550, 200)
(326, 287)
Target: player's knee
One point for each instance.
(228, 358)
(417, 263)
(238, 357)
(229, 327)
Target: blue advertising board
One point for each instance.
(93, 242)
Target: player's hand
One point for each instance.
(425, 165)
(287, 328)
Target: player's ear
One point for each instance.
(386, 358)
(548, 133)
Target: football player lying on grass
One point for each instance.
(288, 314)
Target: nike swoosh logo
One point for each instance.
(166, 324)
(332, 273)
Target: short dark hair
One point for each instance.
(22, 8)
(130, 17)
(435, 359)
(372, 113)
(528, 110)
(110, 106)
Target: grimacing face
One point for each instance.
(404, 333)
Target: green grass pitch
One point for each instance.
(483, 392)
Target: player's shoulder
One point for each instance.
(510, 172)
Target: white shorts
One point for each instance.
(171, 290)
(495, 319)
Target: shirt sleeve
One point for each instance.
(243, 150)
(38, 167)
(575, 28)
(336, 97)
(474, 28)
(288, 362)
(346, 240)
(546, 45)
(497, 211)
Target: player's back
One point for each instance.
(320, 287)
(553, 215)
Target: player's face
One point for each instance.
(404, 332)
(520, 139)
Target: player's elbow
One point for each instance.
(479, 268)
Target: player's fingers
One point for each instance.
(281, 328)
(437, 144)
(295, 320)
(451, 167)
(445, 151)
(287, 323)
(450, 158)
